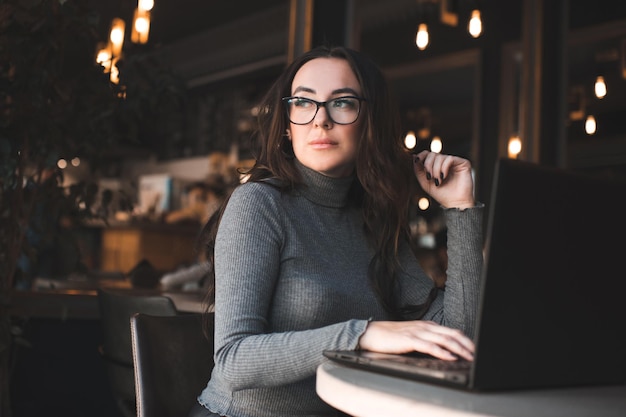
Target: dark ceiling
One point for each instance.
(176, 19)
(173, 20)
(387, 33)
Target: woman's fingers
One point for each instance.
(446, 178)
(438, 166)
(421, 336)
(447, 343)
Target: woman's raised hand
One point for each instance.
(446, 178)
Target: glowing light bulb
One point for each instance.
(145, 5)
(114, 76)
(436, 145)
(590, 125)
(103, 56)
(600, 87)
(421, 39)
(515, 146)
(117, 36)
(142, 25)
(423, 203)
(104, 59)
(475, 25)
(410, 140)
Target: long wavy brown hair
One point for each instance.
(385, 180)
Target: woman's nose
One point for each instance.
(322, 118)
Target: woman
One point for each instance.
(313, 253)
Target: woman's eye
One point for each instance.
(301, 103)
(344, 103)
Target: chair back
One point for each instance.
(173, 359)
(116, 309)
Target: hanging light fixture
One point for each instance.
(590, 125)
(447, 14)
(116, 36)
(425, 11)
(115, 71)
(475, 25)
(108, 55)
(436, 145)
(141, 27)
(514, 147)
(600, 87)
(146, 5)
(116, 43)
(104, 56)
(141, 22)
(422, 37)
(410, 141)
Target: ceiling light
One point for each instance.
(590, 125)
(410, 140)
(515, 146)
(600, 87)
(475, 25)
(436, 145)
(421, 39)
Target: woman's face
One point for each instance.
(323, 145)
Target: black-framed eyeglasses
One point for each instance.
(341, 110)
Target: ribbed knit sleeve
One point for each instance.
(457, 306)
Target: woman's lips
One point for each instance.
(322, 143)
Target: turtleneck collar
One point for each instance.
(323, 190)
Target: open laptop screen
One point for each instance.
(551, 311)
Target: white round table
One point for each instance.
(367, 394)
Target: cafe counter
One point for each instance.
(124, 244)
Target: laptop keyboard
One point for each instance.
(432, 363)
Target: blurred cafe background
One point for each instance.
(125, 122)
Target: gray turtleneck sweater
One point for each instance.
(291, 281)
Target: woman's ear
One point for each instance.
(288, 133)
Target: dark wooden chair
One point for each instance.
(116, 309)
(173, 358)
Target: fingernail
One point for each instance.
(436, 182)
(441, 175)
(428, 176)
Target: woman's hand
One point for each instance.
(417, 335)
(446, 178)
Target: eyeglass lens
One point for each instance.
(341, 110)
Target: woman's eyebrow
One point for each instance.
(345, 90)
(303, 89)
(334, 92)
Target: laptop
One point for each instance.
(552, 308)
